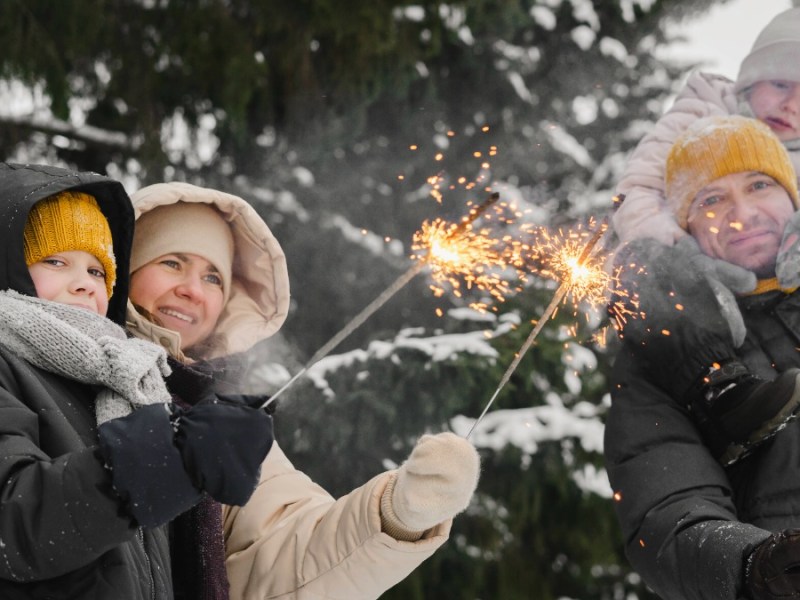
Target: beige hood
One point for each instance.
(259, 297)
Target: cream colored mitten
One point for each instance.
(433, 485)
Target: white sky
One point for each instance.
(724, 35)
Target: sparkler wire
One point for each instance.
(384, 297)
(558, 296)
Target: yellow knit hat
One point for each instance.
(713, 147)
(70, 221)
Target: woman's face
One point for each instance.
(183, 291)
(776, 102)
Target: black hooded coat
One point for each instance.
(688, 523)
(64, 533)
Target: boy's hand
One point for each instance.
(146, 467)
(161, 457)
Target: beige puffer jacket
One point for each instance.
(292, 539)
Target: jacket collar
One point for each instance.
(144, 329)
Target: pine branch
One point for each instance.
(84, 133)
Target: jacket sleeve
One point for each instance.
(293, 540)
(672, 499)
(56, 514)
(644, 212)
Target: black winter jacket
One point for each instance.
(689, 523)
(63, 531)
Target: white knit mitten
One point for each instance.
(434, 484)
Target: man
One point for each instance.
(707, 483)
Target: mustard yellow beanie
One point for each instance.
(713, 147)
(70, 221)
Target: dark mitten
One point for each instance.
(772, 570)
(223, 442)
(146, 466)
(738, 411)
(672, 303)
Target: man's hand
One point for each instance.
(772, 570)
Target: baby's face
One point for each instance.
(776, 102)
(72, 277)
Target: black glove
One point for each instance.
(772, 570)
(146, 467)
(223, 442)
(739, 411)
(674, 303)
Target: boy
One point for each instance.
(94, 457)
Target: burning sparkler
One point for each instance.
(568, 259)
(451, 250)
(458, 254)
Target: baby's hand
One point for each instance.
(787, 265)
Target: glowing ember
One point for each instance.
(562, 256)
(566, 259)
(460, 257)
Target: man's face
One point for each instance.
(740, 218)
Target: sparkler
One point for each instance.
(586, 280)
(452, 248)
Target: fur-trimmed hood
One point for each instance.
(259, 298)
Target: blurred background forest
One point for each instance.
(327, 116)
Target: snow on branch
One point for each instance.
(83, 133)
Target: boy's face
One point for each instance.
(73, 277)
(740, 218)
(777, 103)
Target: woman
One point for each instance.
(209, 280)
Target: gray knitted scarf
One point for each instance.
(84, 346)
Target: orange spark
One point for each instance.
(461, 256)
(562, 256)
